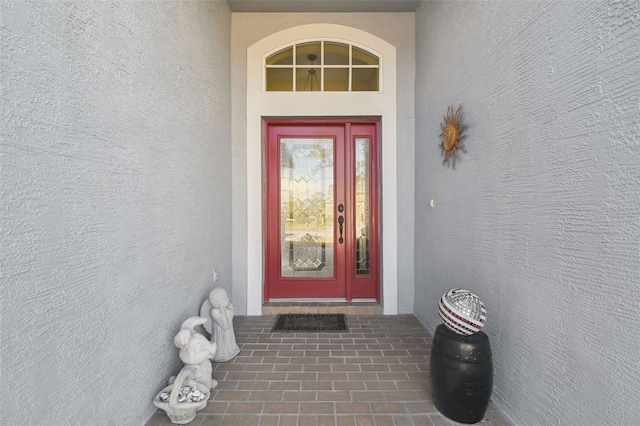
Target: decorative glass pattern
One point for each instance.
(363, 259)
(306, 207)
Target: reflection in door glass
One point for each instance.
(306, 207)
(362, 207)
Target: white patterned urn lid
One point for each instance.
(462, 311)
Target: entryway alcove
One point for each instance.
(353, 104)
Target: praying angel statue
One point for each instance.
(219, 310)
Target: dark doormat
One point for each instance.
(311, 322)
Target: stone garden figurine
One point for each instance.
(190, 390)
(219, 310)
(196, 352)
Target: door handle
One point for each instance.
(341, 222)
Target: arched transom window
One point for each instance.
(319, 66)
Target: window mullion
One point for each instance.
(293, 70)
(350, 66)
(322, 66)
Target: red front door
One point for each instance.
(322, 227)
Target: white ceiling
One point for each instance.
(269, 6)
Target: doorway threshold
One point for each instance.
(322, 306)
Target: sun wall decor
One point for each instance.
(452, 135)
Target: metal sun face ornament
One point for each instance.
(452, 135)
(462, 311)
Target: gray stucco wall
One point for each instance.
(116, 195)
(542, 217)
(398, 30)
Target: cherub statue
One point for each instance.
(219, 310)
(190, 390)
(196, 352)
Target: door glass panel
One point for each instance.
(362, 207)
(306, 207)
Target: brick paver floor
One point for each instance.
(376, 374)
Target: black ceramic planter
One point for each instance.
(461, 371)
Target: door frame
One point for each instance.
(248, 270)
(347, 124)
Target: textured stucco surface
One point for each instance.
(542, 217)
(116, 195)
(396, 29)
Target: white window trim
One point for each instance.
(321, 104)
